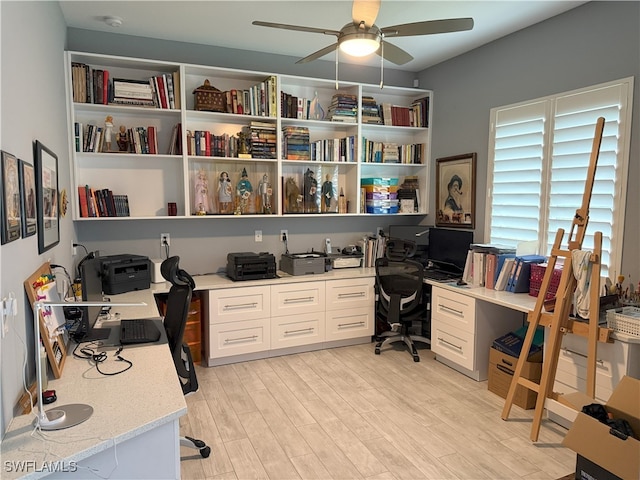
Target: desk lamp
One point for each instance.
(64, 416)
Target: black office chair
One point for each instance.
(399, 296)
(175, 320)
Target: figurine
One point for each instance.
(243, 192)
(310, 192)
(108, 133)
(243, 146)
(123, 139)
(265, 190)
(202, 198)
(225, 194)
(294, 198)
(327, 194)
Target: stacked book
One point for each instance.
(296, 143)
(263, 139)
(133, 92)
(380, 152)
(370, 111)
(343, 108)
(102, 203)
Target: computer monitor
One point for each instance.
(91, 283)
(419, 234)
(448, 248)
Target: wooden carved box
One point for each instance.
(209, 98)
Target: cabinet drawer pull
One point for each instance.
(352, 324)
(250, 338)
(241, 305)
(299, 331)
(449, 344)
(452, 310)
(298, 300)
(599, 361)
(351, 295)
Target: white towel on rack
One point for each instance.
(582, 271)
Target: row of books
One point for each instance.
(262, 137)
(295, 143)
(389, 152)
(370, 111)
(102, 203)
(334, 149)
(343, 108)
(373, 247)
(259, 99)
(415, 115)
(204, 143)
(292, 106)
(91, 138)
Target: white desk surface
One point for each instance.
(145, 397)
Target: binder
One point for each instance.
(520, 281)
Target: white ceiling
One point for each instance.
(228, 23)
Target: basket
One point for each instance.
(535, 280)
(624, 320)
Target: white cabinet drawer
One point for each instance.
(237, 338)
(453, 344)
(351, 293)
(297, 298)
(349, 323)
(232, 304)
(295, 330)
(454, 309)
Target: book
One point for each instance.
(505, 272)
(500, 259)
(491, 261)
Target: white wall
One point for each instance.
(33, 107)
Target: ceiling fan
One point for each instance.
(362, 36)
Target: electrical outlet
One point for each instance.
(258, 236)
(165, 239)
(284, 235)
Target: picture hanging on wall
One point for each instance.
(28, 198)
(456, 191)
(10, 190)
(48, 216)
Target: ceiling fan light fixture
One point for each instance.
(359, 44)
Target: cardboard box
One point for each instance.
(501, 369)
(587, 470)
(594, 440)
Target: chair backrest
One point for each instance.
(399, 249)
(175, 320)
(399, 286)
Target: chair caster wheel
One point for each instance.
(416, 359)
(377, 351)
(205, 452)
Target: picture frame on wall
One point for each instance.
(28, 198)
(456, 191)
(47, 209)
(10, 190)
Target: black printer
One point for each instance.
(251, 266)
(124, 273)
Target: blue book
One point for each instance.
(520, 281)
(500, 258)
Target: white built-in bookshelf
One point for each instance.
(188, 175)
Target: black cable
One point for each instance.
(86, 252)
(100, 357)
(72, 288)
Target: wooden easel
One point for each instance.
(559, 320)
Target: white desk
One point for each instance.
(134, 429)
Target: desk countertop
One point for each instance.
(124, 406)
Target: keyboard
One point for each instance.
(138, 331)
(440, 276)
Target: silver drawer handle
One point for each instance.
(573, 352)
(241, 339)
(451, 310)
(449, 344)
(352, 324)
(351, 295)
(298, 300)
(299, 331)
(240, 305)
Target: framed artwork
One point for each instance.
(10, 207)
(456, 191)
(28, 198)
(48, 215)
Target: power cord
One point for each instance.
(286, 244)
(72, 288)
(87, 353)
(165, 244)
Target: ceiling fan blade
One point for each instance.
(318, 54)
(365, 11)
(428, 27)
(299, 28)
(394, 54)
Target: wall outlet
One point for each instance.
(258, 236)
(165, 239)
(284, 235)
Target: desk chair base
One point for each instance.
(189, 442)
(403, 337)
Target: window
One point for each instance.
(539, 152)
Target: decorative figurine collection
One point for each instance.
(244, 189)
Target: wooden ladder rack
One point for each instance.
(559, 321)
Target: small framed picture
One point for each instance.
(456, 191)
(48, 213)
(10, 190)
(28, 198)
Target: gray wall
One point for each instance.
(33, 107)
(591, 44)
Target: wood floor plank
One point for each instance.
(310, 467)
(245, 460)
(332, 457)
(287, 400)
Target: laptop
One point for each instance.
(139, 330)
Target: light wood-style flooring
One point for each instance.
(346, 413)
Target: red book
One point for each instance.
(82, 198)
(105, 87)
(152, 139)
(161, 92)
(207, 143)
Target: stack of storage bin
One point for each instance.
(381, 195)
